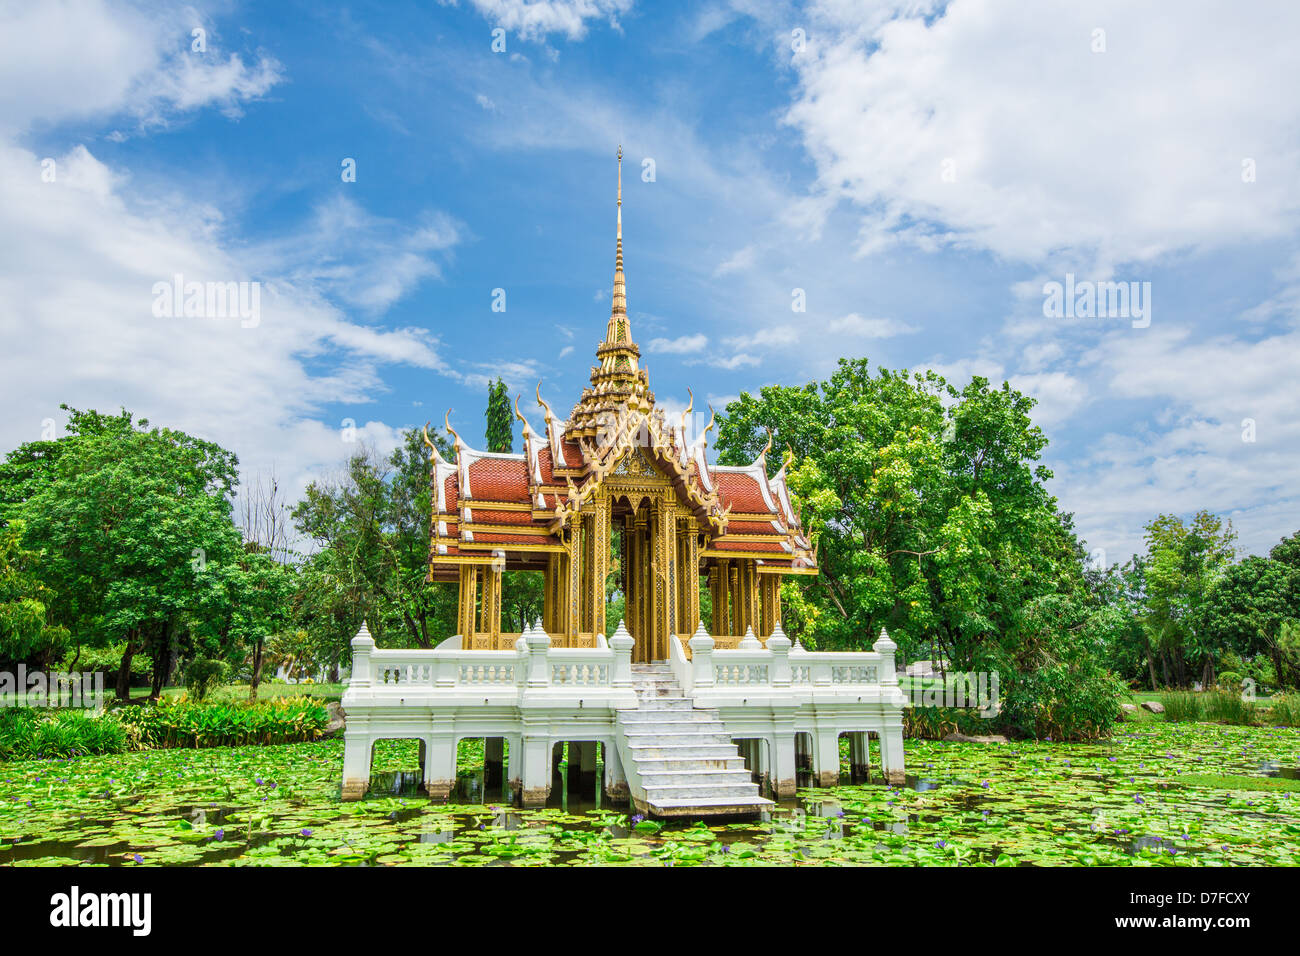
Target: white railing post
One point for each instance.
(749, 642)
(701, 658)
(622, 642)
(886, 648)
(362, 646)
(779, 646)
(539, 671)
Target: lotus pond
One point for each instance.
(1158, 794)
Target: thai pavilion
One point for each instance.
(692, 716)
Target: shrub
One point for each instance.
(29, 733)
(184, 723)
(202, 675)
(935, 723)
(1227, 707)
(1065, 700)
(1230, 680)
(1181, 705)
(1284, 711)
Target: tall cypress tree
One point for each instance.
(500, 419)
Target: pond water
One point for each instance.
(1157, 794)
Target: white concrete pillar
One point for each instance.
(622, 643)
(514, 761)
(536, 784)
(362, 646)
(891, 752)
(539, 671)
(826, 757)
(616, 787)
(701, 658)
(886, 648)
(779, 645)
(784, 781)
(439, 765)
(357, 749)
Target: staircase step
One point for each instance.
(708, 807)
(696, 777)
(706, 791)
(655, 738)
(649, 765)
(681, 760)
(682, 750)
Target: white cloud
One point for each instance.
(855, 326)
(78, 261)
(682, 345)
(772, 336)
(1050, 148)
(79, 59)
(742, 260)
(536, 19)
(365, 260)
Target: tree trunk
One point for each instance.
(255, 681)
(124, 671)
(162, 663)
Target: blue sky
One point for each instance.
(918, 169)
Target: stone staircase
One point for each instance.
(679, 759)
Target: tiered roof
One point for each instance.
(489, 505)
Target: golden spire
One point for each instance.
(619, 353)
(618, 381)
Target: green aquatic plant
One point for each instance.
(1158, 794)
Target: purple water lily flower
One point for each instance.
(985, 784)
(219, 835)
(138, 858)
(637, 818)
(305, 832)
(1137, 798)
(258, 781)
(941, 845)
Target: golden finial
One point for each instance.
(789, 457)
(528, 429)
(713, 416)
(550, 415)
(446, 420)
(762, 455)
(690, 406)
(436, 455)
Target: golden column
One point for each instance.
(662, 569)
(600, 564)
(468, 604)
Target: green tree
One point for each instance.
(372, 526)
(500, 419)
(1248, 606)
(26, 634)
(31, 466)
(133, 525)
(1184, 562)
(931, 517)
